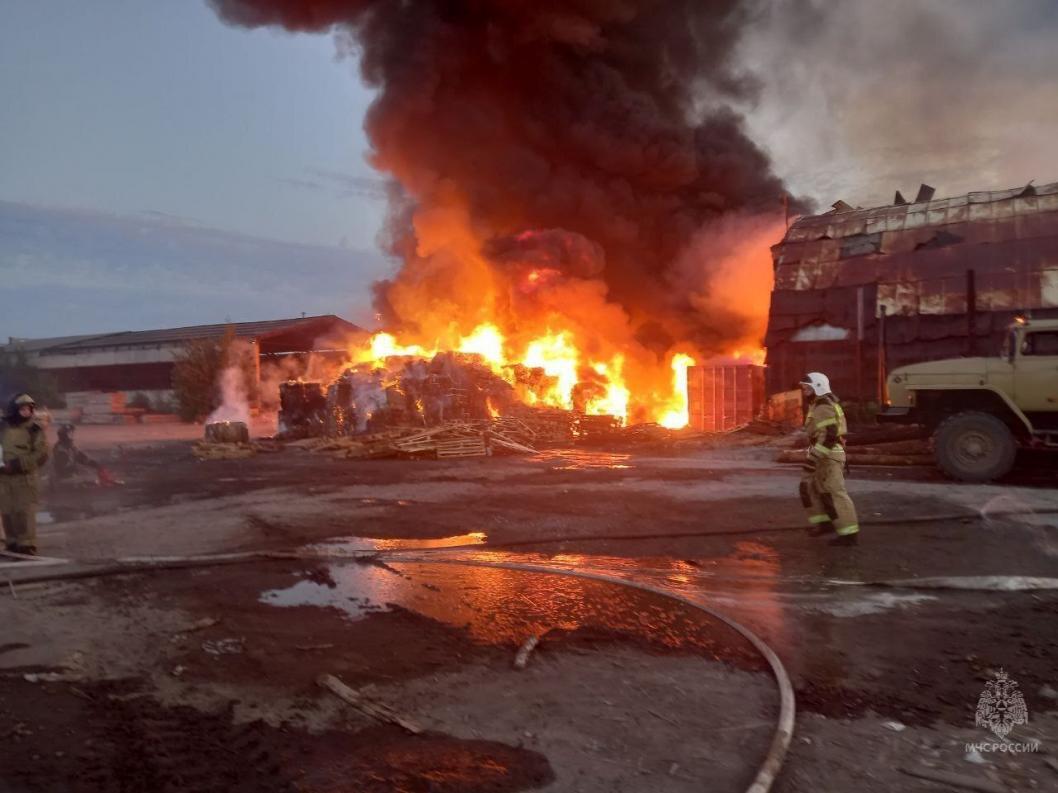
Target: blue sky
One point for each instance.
(158, 167)
(155, 113)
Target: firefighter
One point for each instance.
(25, 450)
(66, 458)
(823, 493)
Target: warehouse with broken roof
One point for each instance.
(859, 292)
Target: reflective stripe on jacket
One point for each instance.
(826, 427)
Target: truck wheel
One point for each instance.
(974, 447)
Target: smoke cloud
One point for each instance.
(234, 402)
(861, 98)
(554, 158)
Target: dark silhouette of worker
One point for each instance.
(67, 458)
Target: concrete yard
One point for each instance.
(203, 677)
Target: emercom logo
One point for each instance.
(1000, 708)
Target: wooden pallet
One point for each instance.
(461, 447)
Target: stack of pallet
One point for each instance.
(599, 428)
(648, 432)
(548, 425)
(98, 407)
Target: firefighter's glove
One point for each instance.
(815, 454)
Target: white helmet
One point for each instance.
(818, 382)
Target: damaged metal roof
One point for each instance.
(920, 253)
(985, 205)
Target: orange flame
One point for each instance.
(587, 349)
(676, 415)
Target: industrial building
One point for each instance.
(141, 362)
(859, 292)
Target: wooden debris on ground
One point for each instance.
(522, 657)
(899, 452)
(451, 440)
(548, 425)
(375, 710)
(204, 450)
(599, 428)
(209, 450)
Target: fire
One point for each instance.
(556, 355)
(755, 356)
(383, 346)
(615, 400)
(487, 341)
(554, 333)
(602, 384)
(677, 414)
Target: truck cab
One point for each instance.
(981, 410)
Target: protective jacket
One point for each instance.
(25, 450)
(822, 488)
(826, 428)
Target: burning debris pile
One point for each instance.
(448, 405)
(417, 392)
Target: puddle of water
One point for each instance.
(504, 607)
(363, 590)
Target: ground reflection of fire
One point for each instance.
(503, 607)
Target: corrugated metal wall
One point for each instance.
(950, 275)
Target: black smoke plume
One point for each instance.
(606, 119)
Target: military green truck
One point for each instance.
(982, 410)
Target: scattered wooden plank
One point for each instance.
(461, 447)
(522, 657)
(506, 443)
(452, 440)
(375, 710)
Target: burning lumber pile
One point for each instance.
(450, 406)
